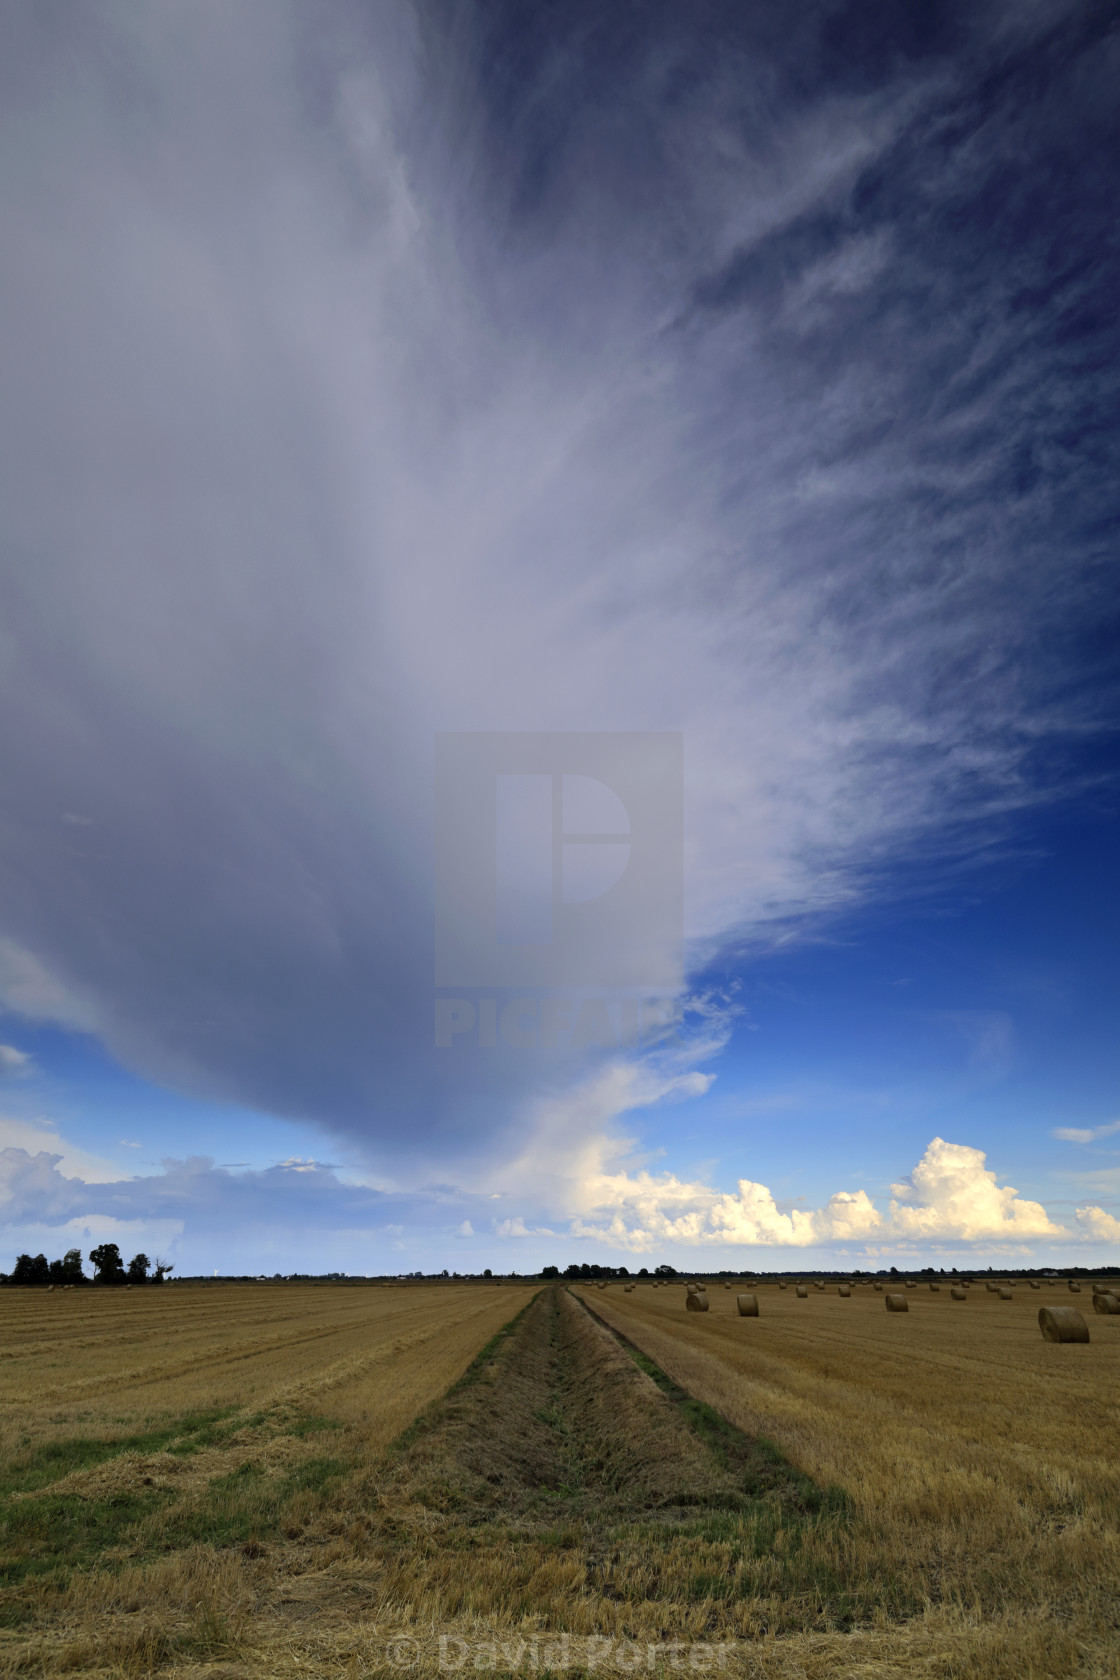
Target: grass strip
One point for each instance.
(760, 1466)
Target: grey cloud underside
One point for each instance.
(383, 371)
(208, 1199)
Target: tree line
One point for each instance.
(106, 1261)
(590, 1270)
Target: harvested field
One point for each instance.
(113, 1361)
(176, 1434)
(820, 1491)
(978, 1458)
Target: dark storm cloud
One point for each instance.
(745, 371)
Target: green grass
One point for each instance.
(241, 1507)
(53, 1534)
(41, 1536)
(50, 1462)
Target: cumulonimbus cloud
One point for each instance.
(354, 392)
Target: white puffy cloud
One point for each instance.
(576, 1166)
(1096, 1224)
(518, 1228)
(648, 1211)
(953, 1193)
(13, 1060)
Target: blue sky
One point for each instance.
(412, 370)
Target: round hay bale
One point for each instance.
(877, 1285)
(782, 1284)
(692, 1288)
(896, 1303)
(802, 1292)
(602, 1286)
(818, 1284)
(959, 1294)
(696, 1303)
(1006, 1295)
(1104, 1289)
(911, 1284)
(935, 1287)
(747, 1305)
(1034, 1283)
(1106, 1303)
(844, 1289)
(727, 1286)
(1074, 1288)
(1062, 1324)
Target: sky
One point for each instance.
(708, 409)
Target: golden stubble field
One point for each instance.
(983, 1462)
(214, 1482)
(160, 1447)
(90, 1361)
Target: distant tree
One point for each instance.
(138, 1268)
(444, 1272)
(622, 1272)
(894, 1271)
(488, 1272)
(165, 1266)
(571, 1271)
(55, 1272)
(31, 1270)
(644, 1272)
(550, 1271)
(665, 1271)
(106, 1262)
(72, 1266)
